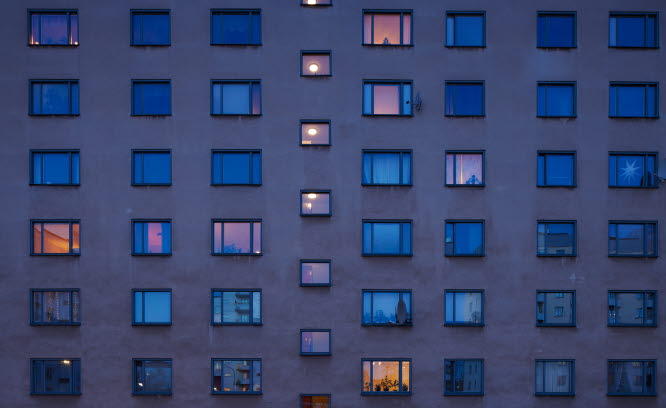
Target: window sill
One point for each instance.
(387, 45)
(465, 185)
(464, 256)
(386, 325)
(316, 76)
(147, 254)
(385, 185)
(151, 184)
(556, 186)
(148, 394)
(634, 117)
(315, 285)
(386, 393)
(234, 185)
(555, 256)
(55, 324)
(389, 115)
(54, 185)
(237, 393)
(151, 324)
(237, 324)
(53, 45)
(388, 255)
(466, 46)
(222, 115)
(554, 394)
(316, 354)
(463, 394)
(314, 144)
(464, 324)
(235, 254)
(317, 215)
(34, 254)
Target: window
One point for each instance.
(315, 132)
(317, 3)
(242, 97)
(387, 167)
(556, 169)
(53, 27)
(556, 238)
(316, 203)
(465, 98)
(235, 27)
(315, 342)
(387, 238)
(236, 376)
(465, 168)
(632, 308)
(464, 308)
(390, 377)
(635, 169)
(463, 377)
(387, 98)
(54, 97)
(236, 307)
(54, 167)
(634, 100)
(554, 377)
(638, 30)
(236, 237)
(151, 307)
(465, 29)
(387, 307)
(55, 237)
(632, 377)
(55, 307)
(632, 238)
(556, 308)
(387, 27)
(151, 167)
(315, 400)
(236, 167)
(464, 238)
(556, 29)
(151, 27)
(151, 97)
(151, 237)
(315, 272)
(556, 99)
(316, 63)
(53, 376)
(151, 376)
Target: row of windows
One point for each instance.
(556, 29)
(379, 376)
(555, 99)
(462, 307)
(379, 168)
(380, 237)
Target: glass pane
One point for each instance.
(386, 238)
(406, 168)
(156, 168)
(236, 307)
(256, 237)
(156, 376)
(559, 100)
(628, 377)
(384, 168)
(256, 307)
(651, 101)
(56, 168)
(386, 29)
(556, 31)
(558, 308)
(256, 98)
(235, 28)
(406, 99)
(406, 238)
(56, 238)
(157, 307)
(631, 100)
(405, 377)
(391, 307)
(367, 99)
(406, 28)
(235, 99)
(367, 381)
(556, 239)
(553, 376)
(628, 308)
(629, 239)
(54, 29)
(315, 342)
(650, 239)
(154, 29)
(468, 307)
(155, 99)
(315, 203)
(469, 30)
(385, 376)
(468, 239)
(54, 99)
(236, 168)
(158, 237)
(138, 307)
(237, 238)
(256, 168)
(315, 272)
(315, 133)
(74, 28)
(316, 64)
(467, 99)
(468, 168)
(559, 170)
(386, 99)
(630, 31)
(256, 376)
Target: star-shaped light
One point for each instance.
(630, 171)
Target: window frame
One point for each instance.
(645, 247)
(573, 308)
(645, 155)
(150, 81)
(410, 323)
(402, 153)
(315, 122)
(643, 364)
(251, 303)
(261, 377)
(400, 369)
(71, 222)
(67, 12)
(300, 396)
(247, 11)
(71, 152)
(456, 152)
(238, 220)
(462, 324)
(250, 152)
(574, 251)
(32, 292)
(134, 12)
(69, 83)
(304, 3)
(465, 82)
(330, 272)
(545, 154)
(330, 342)
(135, 379)
(644, 293)
(465, 221)
(572, 376)
(33, 374)
(149, 151)
(645, 85)
(399, 83)
(645, 15)
(136, 221)
(573, 14)
(454, 13)
(251, 83)
(574, 96)
(330, 203)
(329, 53)
(402, 13)
(483, 375)
(143, 307)
(400, 237)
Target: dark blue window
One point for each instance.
(151, 376)
(236, 167)
(632, 377)
(633, 30)
(556, 29)
(236, 307)
(53, 27)
(236, 98)
(387, 238)
(54, 167)
(151, 167)
(464, 98)
(53, 376)
(463, 377)
(556, 238)
(151, 27)
(556, 99)
(151, 97)
(556, 169)
(637, 239)
(55, 307)
(151, 307)
(151, 237)
(465, 29)
(632, 170)
(634, 100)
(632, 308)
(554, 377)
(387, 308)
(387, 168)
(236, 27)
(556, 308)
(236, 376)
(464, 238)
(54, 97)
(463, 308)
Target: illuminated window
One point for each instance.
(54, 97)
(465, 98)
(387, 167)
(236, 376)
(151, 27)
(556, 169)
(315, 203)
(151, 97)
(633, 30)
(463, 308)
(316, 63)
(465, 29)
(151, 237)
(315, 132)
(151, 167)
(632, 377)
(236, 167)
(315, 272)
(387, 27)
(465, 168)
(387, 98)
(463, 377)
(556, 308)
(53, 27)
(315, 342)
(236, 307)
(151, 377)
(55, 307)
(634, 100)
(387, 308)
(386, 377)
(556, 29)
(315, 400)
(151, 307)
(54, 167)
(235, 27)
(554, 377)
(236, 237)
(387, 238)
(55, 376)
(236, 97)
(556, 238)
(635, 169)
(556, 99)
(632, 308)
(632, 238)
(55, 237)
(464, 238)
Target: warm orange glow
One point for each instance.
(312, 2)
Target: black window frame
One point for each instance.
(482, 83)
(483, 369)
(68, 12)
(408, 323)
(251, 307)
(545, 292)
(241, 11)
(645, 247)
(453, 14)
(644, 293)
(545, 85)
(139, 12)
(136, 152)
(655, 173)
(400, 369)
(644, 369)
(645, 85)
(135, 380)
(402, 13)
(456, 152)
(574, 34)
(71, 222)
(574, 244)
(572, 376)
(71, 321)
(143, 307)
(251, 221)
(250, 152)
(70, 84)
(402, 153)
(574, 170)
(646, 15)
(313, 353)
(251, 360)
(74, 363)
(72, 153)
(464, 221)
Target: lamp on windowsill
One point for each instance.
(312, 2)
(312, 132)
(314, 68)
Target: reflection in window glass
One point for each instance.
(151, 167)
(315, 133)
(56, 376)
(464, 169)
(152, 237)
(464, 99)
(387, 308)
(151, 98)
(151, 27)
(237, 237)
(236, 376)
(387, 98)
(465, 29)
(556, 30)
(235, 167)
(236, 98)
(315, 342)
(554, 377)
(463, 377)
(236, 307)
(633, 30)
(387, 168)
(152, 307)
(556, 238)
(55, 238)
(632, 239)
(54, 97)
(556, 100)
(555, 169)
(635, 377)
(387, 28)
(55, 307)
(464, 308)
(633, 170)
(387, 238)
(236, 27)
(555, 308)
(54, 27)
(152, 377)
(315, 273)
(55, 167)
(386, 376)
(315, 203)
(634, 100)
(632, 308)
(464, 238)
(315, 63)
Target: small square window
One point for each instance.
(315, 342)
(55, 307)
(554, 377)
(556, 308)
(236, 97)
(465, 29)
(463, 308)
(235, 27)
(464, 238)
(151, 27)
(152, 307)
(387, 238)
(315, 272)
(387, 168)
(381, 27)
(236, 376)
(151, 97)
(637, 239)
(386, 377)
(236, 167)
(632, 308)
(53, 27)
(316, 203)
(556, 99)
(54, 167)
(387, 308)
(387, 98)
(463, 377)
(54, 97)
(464, 98)
(636, 169)
(633, 30)
(556, 238)
(634, 100)
(55, 376)
(236, 307)
(315, 400)
(556, 169)
(315, 132)
(151, 237)
(316, 63)
(236, 237)
(465, 168)
(55, 237)
(556, 29)
(151, 167)
(151, 376)
(643, 373)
